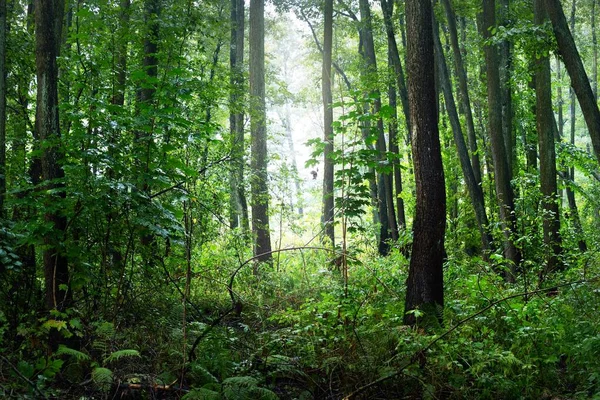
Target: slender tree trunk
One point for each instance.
(327, 218)
(464, 92)
(287, 124)
(48, 24)
(425, 284)
(502, 175)
(547, 132)
(574, 65)
(3, 34)
(394, 60)
(258, 128)
(475, 191)
(505, 65)
(594, 52)
(385, 203)
(238, 204)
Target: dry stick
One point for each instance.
(419, 355)
(32, 384)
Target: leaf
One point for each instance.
(78, 355)
(103, 378)
(52, 323)
(120, 354)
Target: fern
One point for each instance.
(116, 355)
(202, 375)
(202, 394)
(246, 388)
(103, 378)
(78, 355)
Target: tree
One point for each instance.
(425, 285)
(385, 204)
(328, 174)
(48, 29)
(238, 204)
(473, 187)
(3, 33)
(547, 132)
(502, 174)
(579, 79)
(258, 128)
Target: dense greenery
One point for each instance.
(165, 296)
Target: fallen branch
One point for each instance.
(419, 355)
(20, 375)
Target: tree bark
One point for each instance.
(473, 187)
(327, 218)
(48, 26)
(547, 132)
(425, 284)
(238, 203)
(385, 203)
(502, 175)
(258, 128)
(574, 65)
(505, 66)
(394, 60)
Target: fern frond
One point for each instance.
(202, 394)
(103, 378)
(114, 356)
(78, 355)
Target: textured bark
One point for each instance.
(547, 132)
(473, 187)
(502, 175)
(574, 65)
(425, 284)
(594, 51)
(394, 60)
(258, 128)
(464, 97)
(238, 204)
(48, 24)
(385, 203)
(327, 218)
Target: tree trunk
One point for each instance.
(48, 24)
(385, 203)
(238, 204)
(574, 65)
(505, 66)
(394, 60)
(594, 51)
(258, 128)
(547, 132)
(425, 284)
(3, 33)
(504, 192)
(464, 92)
(327, 218)
(475, 191)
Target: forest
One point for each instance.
(299, 199)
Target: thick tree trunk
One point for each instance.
(473, 187)
(502, 175)
(238, 204)
(258, 128)
(48, 24)
(505, 67)
(464, 91)
(425, 284)
(547, 132)
(574, 65)
(327, 218)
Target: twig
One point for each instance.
(32, 384)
